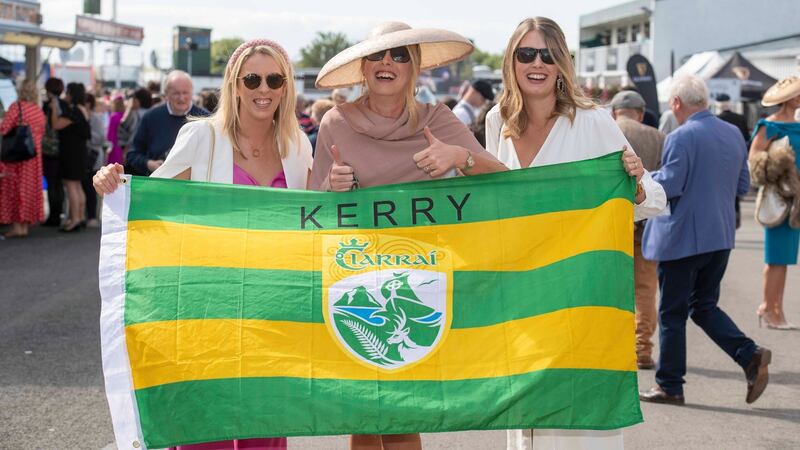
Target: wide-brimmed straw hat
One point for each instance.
(437, 47)
(783, 90)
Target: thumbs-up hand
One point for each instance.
(439, 158)
(341, 176)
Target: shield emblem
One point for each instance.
(641, 68)
(395, 309)
(741, 72)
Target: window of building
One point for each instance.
(622, 35)
(646, 30)
(589, 61)
(611, 59)
(635, 29)
(605, 37)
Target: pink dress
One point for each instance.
(244, 178)
(115, 155)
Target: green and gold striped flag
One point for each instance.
(491, 302)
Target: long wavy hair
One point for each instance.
(512, 106)
(286, 127)
(410, 90)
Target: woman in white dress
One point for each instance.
(542, 119)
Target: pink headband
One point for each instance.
(255, 43)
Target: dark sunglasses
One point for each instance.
(399, 55)
(253, 80)
(527, 55)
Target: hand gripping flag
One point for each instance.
(489, 302)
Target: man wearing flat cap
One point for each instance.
(478, 93)
(628, 109)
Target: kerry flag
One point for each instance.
(500, 301)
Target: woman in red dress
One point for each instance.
(21, 182)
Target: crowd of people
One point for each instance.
(257, 131)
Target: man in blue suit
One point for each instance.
(704, 168)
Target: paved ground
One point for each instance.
(51, 386)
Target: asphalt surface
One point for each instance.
(51, 383)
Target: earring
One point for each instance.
(561, 87)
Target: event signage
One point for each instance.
(106, 30)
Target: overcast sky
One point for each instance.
(294, 23)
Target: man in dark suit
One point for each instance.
(739, 121)
(704, 167)
(726, 113)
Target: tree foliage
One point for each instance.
(493, 60)
(324, 47)
(221, 51)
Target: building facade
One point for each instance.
(668, 32)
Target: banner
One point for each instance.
(641, 73)
(500, 301)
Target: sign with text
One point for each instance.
(105, 30)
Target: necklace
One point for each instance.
(256, 150)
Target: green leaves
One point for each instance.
(221, 51)
(325, 46)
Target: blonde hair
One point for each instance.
(512, 106)
(28, 91)
(410, 90)
(286, 127)
(320, 107)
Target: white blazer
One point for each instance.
(593, 134)
(192, 151)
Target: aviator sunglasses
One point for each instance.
(527, 55)
(398, 54)
(253, 80)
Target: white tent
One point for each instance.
(704, 65)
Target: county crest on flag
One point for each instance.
(499, 301)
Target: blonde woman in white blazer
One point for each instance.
(542, 118)
(253, 138)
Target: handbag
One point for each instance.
(17, 144)
(771, 207)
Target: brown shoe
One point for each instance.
(757, 374)
(657, 395)
(645, 363)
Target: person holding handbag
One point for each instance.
(252, 139)
(21, 187)
(781, 243)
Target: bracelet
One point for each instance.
(639, 188)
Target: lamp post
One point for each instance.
(117, 59)
(191, 46)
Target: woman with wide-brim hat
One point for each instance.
(780, 243)
(386, 136)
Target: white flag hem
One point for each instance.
(116, 364)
